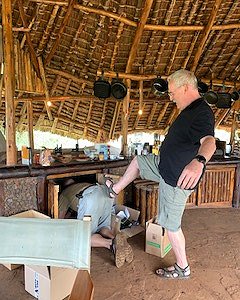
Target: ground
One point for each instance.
(213, 243)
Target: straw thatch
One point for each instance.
(61, 47)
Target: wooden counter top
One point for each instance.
(58, 168)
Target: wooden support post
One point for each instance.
(55, 201)
(126, 101)
(30, 124)
(9, 79)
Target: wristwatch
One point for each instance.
(201, 159)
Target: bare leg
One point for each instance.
(130, 174)
(106, 233)
(98, 241)
(177, 240)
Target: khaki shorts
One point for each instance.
(171, 200)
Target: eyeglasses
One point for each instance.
(170, 94)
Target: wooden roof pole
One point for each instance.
(28, 38)
(45, 88)
(137, 77)
(64, 23)
(132, 55)
(138, 35)
(9, 79)
(125, 116)
(30, 124)
(206, 33)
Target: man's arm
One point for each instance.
(193, 171)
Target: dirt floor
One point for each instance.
(213, 248)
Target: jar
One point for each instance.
(101, 156)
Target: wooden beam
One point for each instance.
(148, 77)
(47, 31)
(125, 116)
(30, 124)
(28, 38)
(88, 119)
(114, 120)
(137, 119)
(45, 88)
(9, 80)
(221, 117)
(161, 115)
(138, 35)
(59, 34)
(206, 33)
(102, 121)
(151, 115)
(120, 18)
(70, 76)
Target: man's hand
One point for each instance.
(190, 175)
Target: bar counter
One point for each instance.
(30, 187)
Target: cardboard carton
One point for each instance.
(134, 215)
(83, 287)
(49, 283)
(157, 242)
(26, 214)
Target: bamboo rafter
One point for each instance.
(206, 33)
(28, 38)
(139, 32)
(47, 32)
(64, 23)
(151, 115)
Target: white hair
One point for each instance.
(182, 77)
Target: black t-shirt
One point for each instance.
(183, 139)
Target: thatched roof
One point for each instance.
(61, 47)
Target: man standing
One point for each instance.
(187, 148)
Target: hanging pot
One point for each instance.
(102, 88)
(235, 96)
(202, 87)
(224, 100)
(160, 86)
(211, 97)
(118, 89)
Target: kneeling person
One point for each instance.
(92, 199)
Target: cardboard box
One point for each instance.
(49, 283)
(157, 242)
(134, 215)
(26, 214)
(83, 287)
